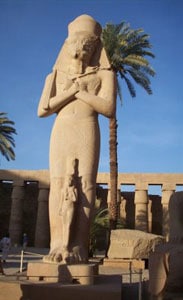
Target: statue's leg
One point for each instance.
(88, 157)
(57, 168)
(85, 207)
(55, 218)
(68, 214)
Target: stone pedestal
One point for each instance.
(53, 272)
(107, 287)
(129, 264)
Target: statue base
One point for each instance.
(129, 264)
(58, 272)
(106, 287)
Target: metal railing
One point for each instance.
(130, 281)
(22, 258)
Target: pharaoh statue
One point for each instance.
(81, 86)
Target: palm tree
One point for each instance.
(126, 49)
(99, 227)
(99, 230)
(6, 139)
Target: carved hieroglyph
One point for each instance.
(81, 86)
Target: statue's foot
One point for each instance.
(76, 256)
(54, 256)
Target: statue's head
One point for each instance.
(83, 38)
(83, 44)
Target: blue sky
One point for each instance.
(150, 127)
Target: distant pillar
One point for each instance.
(150, 215)
(108, 196)
(16, 217)
(141, 208)
(42, 234)
(123, 209)
(119, 198)
(167, 191)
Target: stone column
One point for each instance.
(150, 215)
(118, 201)
(141, 207)
(167, 191)
(16, 217)
(42, 234)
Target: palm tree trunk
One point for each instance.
(113, 209)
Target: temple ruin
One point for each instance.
(24, 202)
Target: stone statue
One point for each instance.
(81, 86)
(166, 262)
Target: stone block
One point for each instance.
(53, 272)
(129, 264)
(132, 244)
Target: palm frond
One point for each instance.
(148, 70)
(141, 79)
(129, 85)
(135, 60)
(119, 92)
(127, 50)
(7, 142)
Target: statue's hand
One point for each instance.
(70, 86)
(67, 84)
(91, 84)
(94, 85)
(82, 85)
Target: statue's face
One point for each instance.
(81, 46)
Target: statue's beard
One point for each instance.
(78, 66)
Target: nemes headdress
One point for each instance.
(84, 24)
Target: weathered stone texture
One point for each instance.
(130, 244)
(166, 263)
